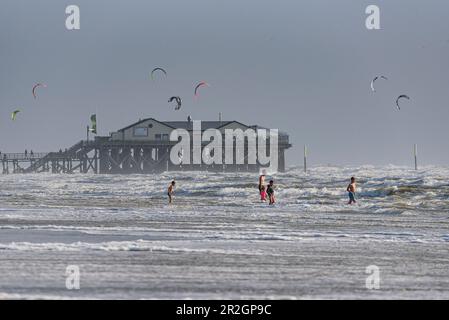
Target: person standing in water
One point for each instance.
(351, 191)
(262, 181)
(263, 194)
(270, 192)
(171, 190)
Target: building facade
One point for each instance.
(145, 146)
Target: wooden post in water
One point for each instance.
(415, 152)
(305, 158)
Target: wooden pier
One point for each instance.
(82, 157)
(94, 156)
(142, 147)
(111, 157)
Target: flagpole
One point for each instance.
(96, 118)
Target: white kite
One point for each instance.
(374, 80)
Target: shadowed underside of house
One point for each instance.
(142, 147)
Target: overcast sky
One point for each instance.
(303, 67)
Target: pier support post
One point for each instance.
(281, 161)
(415, 152)
(305, 158)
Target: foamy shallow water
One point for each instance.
(218, 241)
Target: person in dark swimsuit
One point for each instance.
(270, 192)
(351, 191)
(170, 191)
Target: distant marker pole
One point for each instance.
(415, 152)
(305, 158)
(96, 117)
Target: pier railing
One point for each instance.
(22, 156)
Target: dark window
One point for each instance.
(158, 136)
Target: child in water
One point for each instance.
(351, 191)
(263, 193)
(270, 192)
(170, 191)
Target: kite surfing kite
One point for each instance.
(374, 80)
(157, 69)
(199, 85)
(36, 86)
(178, 102)
(14, 115)
(403, 96)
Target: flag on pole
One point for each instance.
(93, 120)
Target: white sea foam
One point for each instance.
(138, 245)
(218, 234)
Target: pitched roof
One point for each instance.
(141, 121)
(189, 125)
(204, 125)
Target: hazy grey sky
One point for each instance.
(301, 66)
